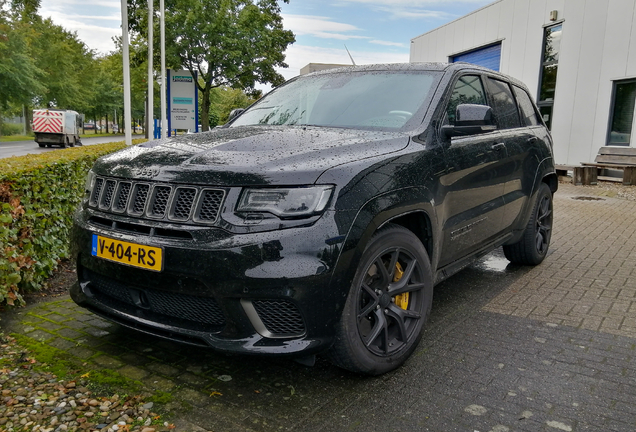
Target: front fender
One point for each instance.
(375, 213)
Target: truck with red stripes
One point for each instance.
(56, 127)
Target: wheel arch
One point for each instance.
(552, 181)
(547, 176)
(419, 223)
(411, 208)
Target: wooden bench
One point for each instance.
(614, 158)
(581, 175)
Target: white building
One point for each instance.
(577, 57)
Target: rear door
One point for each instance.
(515, 124)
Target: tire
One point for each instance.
(64, 143)
(42, 144)
(379, 331)
(533, 246)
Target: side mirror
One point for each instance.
(471, 119)
(235, 113)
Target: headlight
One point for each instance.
(286, 202)
(90, 181)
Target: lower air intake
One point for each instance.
(280, 317)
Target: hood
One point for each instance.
(249, 155)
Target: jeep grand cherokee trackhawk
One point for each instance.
(320, 218)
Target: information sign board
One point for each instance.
(182, 100)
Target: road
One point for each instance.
(21, 148)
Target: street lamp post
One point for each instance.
(162, 25)
(126, 60)
(149, 114)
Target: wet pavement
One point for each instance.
(507, 348)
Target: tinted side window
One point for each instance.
(528, 114)
(505, 108)
(468, 90)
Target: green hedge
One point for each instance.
(38, 196)
(10, 129)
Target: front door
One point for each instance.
(473, 185)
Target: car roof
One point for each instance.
(418, 66)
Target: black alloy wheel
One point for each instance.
(388, 304)
(533, 246)
(543, 227)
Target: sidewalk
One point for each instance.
(550, 348)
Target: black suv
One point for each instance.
(321, 217)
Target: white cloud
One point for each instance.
(386, 43)
(95, 37)
(322, 27)
(98, 17)
(96, 31)
(414, 13)
(63, 3)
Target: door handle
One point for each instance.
(498, 146)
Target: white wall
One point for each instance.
(598, 46)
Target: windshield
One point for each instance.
(372, 99)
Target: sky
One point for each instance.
(374, 31)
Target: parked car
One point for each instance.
(319, 219)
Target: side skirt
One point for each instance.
(452, 268)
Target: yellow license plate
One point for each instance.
(136, 255)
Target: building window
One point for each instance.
(549, 67)
(624, 96)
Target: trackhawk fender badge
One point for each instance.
(466, 229)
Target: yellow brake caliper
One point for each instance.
(401, 300)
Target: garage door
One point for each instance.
(489, 57)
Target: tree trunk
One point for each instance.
(106, 123)
(28, 118)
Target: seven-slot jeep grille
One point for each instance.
(157, 201)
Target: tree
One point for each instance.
(138, 76)
(225, 99)
(19, 75)
(68, 66)
(107, 93)
(233, 43)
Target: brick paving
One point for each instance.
(507, 348)
(589, 279)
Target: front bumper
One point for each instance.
(260, 293)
